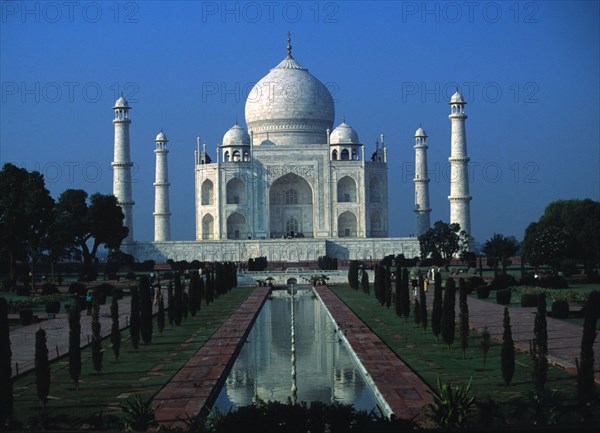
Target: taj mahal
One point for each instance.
(289, 185)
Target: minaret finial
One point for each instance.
(236, 119)
(344, 118)
(289, 45)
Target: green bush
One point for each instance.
(503, 296)
(77, 289)
(502, 282)
(560, 309)
(52, 307)
(529, 300)
(7, 285)
(474, 282)
(26, 317)
(483, 292)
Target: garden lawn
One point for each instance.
(430, 359)
(143, 372)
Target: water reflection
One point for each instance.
(324, 369)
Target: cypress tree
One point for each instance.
(193, 292)
(96, 338)
(115, 331)
(177, 301)
(464, 316)
(170, 306)
(201, 292)
(42, 368)
(365, 282)
(423, 302)
(75, 343)
(387, 284)
(380, 283)
(485, 344)
(185, 303)
(398, 288)
(405, 294)
(160, 317)
(417, 312)
(539, 346)
(508, 350)
(586, 387)
(134, 318)
(436, 312)
(448, 314)
(6, 388)
(145, 310)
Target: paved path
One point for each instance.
(564, 339)
(22, 339)
(198, 382)
(401, 388)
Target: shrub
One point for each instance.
(529, 300)
(483, 292)
(105, 288)
(131, 276)
(77, 289)
(138, 414)
(7, 285)
(26, 317)
(49, 289)
(554, 282)
(568, 267)
(117, 293)
(101, 298)
(52, 307)
(474, 282)
(23, 291)
(503, 296)
(560, 309)
(451, 405)
(503, 281)
(529, 280)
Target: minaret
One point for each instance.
(122, 166)
(460, 200)
(422, 209)
(162, 216)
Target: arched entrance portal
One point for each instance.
(291, 207)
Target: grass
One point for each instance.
(143, 372)
(430, 358)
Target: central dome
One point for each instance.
(289, 106)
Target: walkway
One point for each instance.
(401, 388)
(196, 384)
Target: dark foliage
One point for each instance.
(502, 281)
(483, 292)
(49, 289)
(160, 317)
(436, 312)
(77, 288)
(327, 263)
(177, 301)
(53, 307)
(560, 309)
(507, 357)
(75, 344)
(185, 304)
(257, 264)
(448, 313)
(586, 387)
(96, 339)
(405, 294)
(145, 309)
(134, 318)
(529, 300)
(366, 288)
(417, 312)
(170, 301)
(423, 302)
(42, 367)
(503, 296)
(115, 331)
(6, 388)
(539, 346)
(463, 316)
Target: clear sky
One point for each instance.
(528, 70)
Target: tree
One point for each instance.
(485, 344)
(545, 245)
(448, 313)
(423, 302)
(75, 343)
(508, 350)
(177, 301)
(586, 387)
(417, 312)
(170, 306)
(464, 317)
(96, 338)
(115, 332)
(365, 282)
(405, 294)
(6, 389)
(185, 301)
(116, 259)
(160, 317)
(436, 312)
(26, 215)
(42, 368)
(442, 242)
(353, 274)
(88, 226)
(134, 319)
(498, 249)
(539, 345)
(194, 292)
(387, 284)
(145, 310)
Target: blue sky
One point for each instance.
(528, 70)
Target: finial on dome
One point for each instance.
(289, 45)
(344, 118)
(236, 119)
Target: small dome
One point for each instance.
(420, 133)
(457, 97)
(121, 103)
(344, 134)
(236, 136)
(161, 136)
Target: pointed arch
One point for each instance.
(207, 193)
(236, 191)
(347, 225)
(346, 190)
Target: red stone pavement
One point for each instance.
(198, 381)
